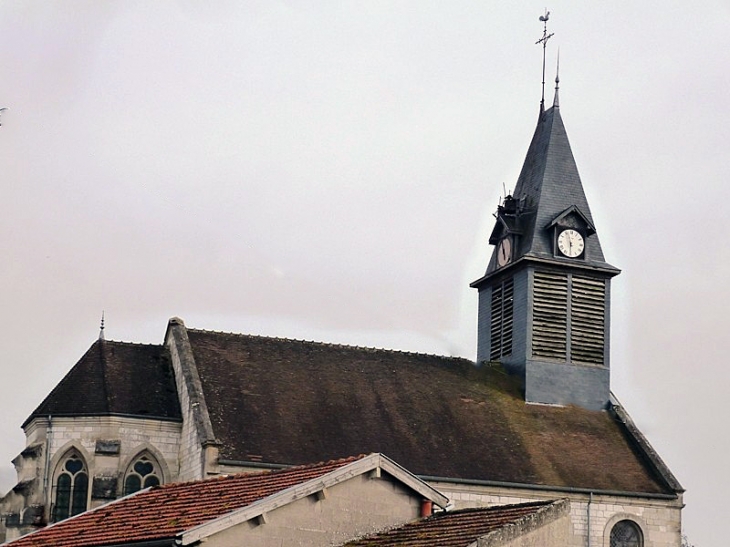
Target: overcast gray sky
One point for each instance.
(327, 170)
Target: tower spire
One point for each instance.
(544, 41)
(101, 328)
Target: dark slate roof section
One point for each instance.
(116, 378)
(463, 528)
(285, 401)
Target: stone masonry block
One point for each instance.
(108, 447)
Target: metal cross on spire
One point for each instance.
(544, 41)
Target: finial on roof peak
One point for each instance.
(101, 328)
(543, 41)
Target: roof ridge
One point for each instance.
(126, 343)
(494, 508)
(330, 344)
(643, 445)
(488, 509)
(266, 472)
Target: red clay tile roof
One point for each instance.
(453, 529)
(164, 511)
(290, 402)
(116, 378)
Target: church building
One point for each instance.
(532, 420)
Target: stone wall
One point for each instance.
(133, 436)
(549, 526)
(107, 444)
(555, 533)
(191, 450)
(198, 450)
(659, 519)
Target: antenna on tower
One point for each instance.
(544, 41)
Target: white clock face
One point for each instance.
(504, 252)
(571, 243)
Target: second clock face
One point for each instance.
(504, 252)
(571, 243)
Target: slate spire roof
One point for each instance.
(549, 184)
(115, 378)
(548, 190)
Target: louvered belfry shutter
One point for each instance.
(587, 325)
(550, 316)
(502, 308)
(569, 318)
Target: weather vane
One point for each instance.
(544, 41)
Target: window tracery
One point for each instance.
(71, 488)
(143, 473)
(626, 533)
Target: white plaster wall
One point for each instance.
(359, 506)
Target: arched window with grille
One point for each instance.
(71, 487)
(626, 533)
(143, 472)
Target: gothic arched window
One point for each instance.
(72, 488)
(626, 533)
(143, 473)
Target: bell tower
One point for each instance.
(545, 297)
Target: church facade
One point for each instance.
(532, 420)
